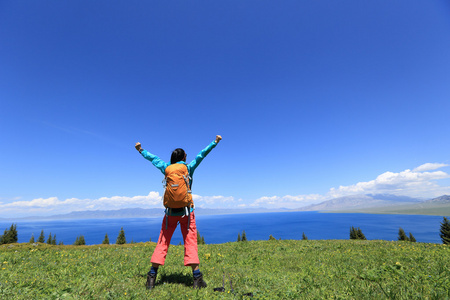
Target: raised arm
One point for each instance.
(198, 159)
(155, 160)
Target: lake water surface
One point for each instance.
(218, 229)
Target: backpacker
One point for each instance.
(177, 185)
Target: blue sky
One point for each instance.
(314, 100)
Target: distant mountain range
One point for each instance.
(361, 202)
(139, 213)
(385, 204)
(379, 203)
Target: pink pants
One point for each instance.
(189, 238)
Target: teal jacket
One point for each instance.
(162, 165)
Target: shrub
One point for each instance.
(106, 240)
(445, 231)
(80, 241)
(244, 236)
(200, 239)
(357, 234)
(121, 238)
(49, 240)
(402, 235)
(304, 237)
(41, 238)
(9, 236)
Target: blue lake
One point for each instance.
(218, 229)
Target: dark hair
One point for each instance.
(177, 155)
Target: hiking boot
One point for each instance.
(150, 281)
(199, 282)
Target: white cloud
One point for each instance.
(53, 205)
(421, 182)
(429, 167)
(417, 183)
(413, 183)
(288, 201)
(213, 201)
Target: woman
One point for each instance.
(183, 215)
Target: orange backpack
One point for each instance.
(177, 185)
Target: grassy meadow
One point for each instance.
(275, 269)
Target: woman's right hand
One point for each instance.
(218, 138)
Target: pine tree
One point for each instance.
(6, 239)
(445, 231)
(271, 238)
(32, 239)
(200, 239)
(360, 235)
(106, 240)
(402, 235)
(3, 237)
(60, 243)
(353, 233)
(412, 238)
(9, 236)
(244, 236)
(49, 240)
(12, 233)
(41, 238)
(304, 237)
(80, 241)
(54, 240)
(357, 234)
(15, 234)
(121, 238)
(239, 237)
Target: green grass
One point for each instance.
(332, 269)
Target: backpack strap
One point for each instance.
(167, 216)
(188, 214)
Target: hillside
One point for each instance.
(439, 206)
(333, 269)
(137, 213)
(361, 202)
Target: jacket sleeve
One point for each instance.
(198, 159)
(156, 161)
